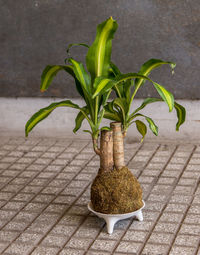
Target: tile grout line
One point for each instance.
(131, 221)
(20, 172)
(185, 214)
(169, 196)
(57, 221)
(154, 182)
(29, 201)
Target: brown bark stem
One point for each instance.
(95, 146)
(118, 144)
(106, 151)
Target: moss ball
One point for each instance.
(116, 192)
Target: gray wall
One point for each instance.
(34, 33)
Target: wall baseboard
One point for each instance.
(14, 112)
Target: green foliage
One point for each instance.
(98, 64)
(122, 85)
(95, 84)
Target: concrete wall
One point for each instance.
(60, 123)
(34, 33)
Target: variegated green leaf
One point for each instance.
(145, 102)
(111, 116)
(99, 53)
(141, 127)
(81, 75)
(79, 118)
(49, 73)
(106, 128)
(181, 114)
(76, 44)
(99, 84)
(151, 123)
(114, 69)
(105, 84)
(122, 104)
(165, 95)
(44, 112)
(148, 66)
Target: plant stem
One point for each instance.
(118, 144)
(106, 151)
(96, 110)
(95, 146)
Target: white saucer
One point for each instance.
(111, 219)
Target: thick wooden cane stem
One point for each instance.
(95, 146)
(106, 150)
(118, 144)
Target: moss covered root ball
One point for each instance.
(116, 192)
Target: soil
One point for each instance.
(116, 192)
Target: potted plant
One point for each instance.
(115, 190)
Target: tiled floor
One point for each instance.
(44, 190)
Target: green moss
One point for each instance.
(116, 192)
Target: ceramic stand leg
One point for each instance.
(110, 224)
(139, 216)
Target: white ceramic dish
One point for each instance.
(111, 219)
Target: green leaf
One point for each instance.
(44, 112)
(48, 74)
(127, 89)
(114, 69)
(106, 128)
(110, 113)
(111, 116)
(88, 131)
(103, 85)
(99, 84)
(181, 114)
(81, 75)
(79, 118)
(145, 102)
(165, 95)
(99, 53)
(76, 44)
(122, 104)
(148, 66)
(152, 125)
(141, 127)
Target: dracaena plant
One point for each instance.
(126, 86)
(95, 84)
(98, 64)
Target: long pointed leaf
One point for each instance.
(145, 102)
(152, 125)
(100, 84)
(76, 44)
(165, 95)
(148, 66)
(99, 53)
(48, 74)
(111, 116)
(122, 104)
(44, 112)
(181, 114)
(79, 118)
(81, 75)
(141, 127)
